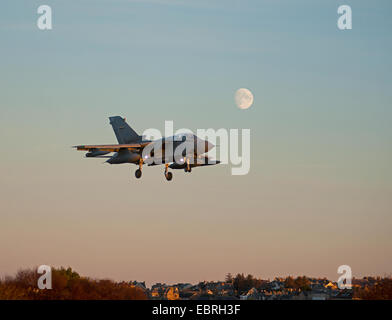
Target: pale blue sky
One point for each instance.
(320, 184)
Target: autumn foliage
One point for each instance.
(66, 285)
(381, 289)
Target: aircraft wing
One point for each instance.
(111, 147)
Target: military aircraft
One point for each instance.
(182, 151)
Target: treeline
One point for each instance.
(302, 283)
(242, 283)
(374, 289)
(381, 289)
(66, 285)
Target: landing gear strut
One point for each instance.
(188, 167)
(138, 172)
(168, 174)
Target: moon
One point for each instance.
(243, 98)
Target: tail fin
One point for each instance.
(124, 133)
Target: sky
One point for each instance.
(319, 191)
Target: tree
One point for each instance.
(289, 282)
(229, 278)
(67, 285)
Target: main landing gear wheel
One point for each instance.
(169, 176)
(188, 170)
(138, 173)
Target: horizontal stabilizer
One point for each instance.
(111, 147)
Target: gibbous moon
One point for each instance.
(243, 98)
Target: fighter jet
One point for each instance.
(182, 151)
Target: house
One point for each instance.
(141, 285)
(172, 293)
(317, 295)
(276, 285)
(330, 285)
(253, 294)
